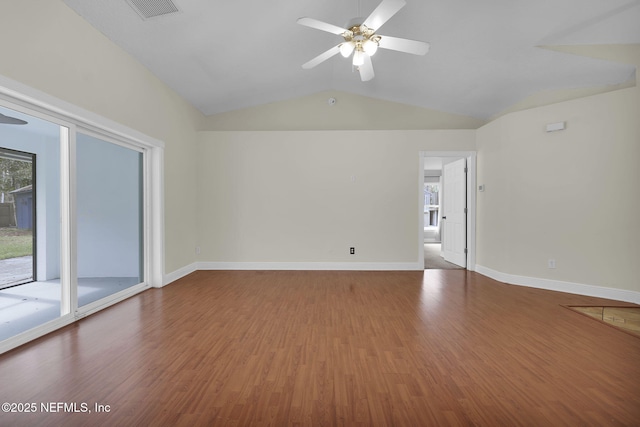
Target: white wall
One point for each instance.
(54, 50)
(350, 112)
(289, 197)
(572, 195)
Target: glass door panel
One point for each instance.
(109, 218)
(17, 217)
(30, 288)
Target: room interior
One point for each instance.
(262, 173)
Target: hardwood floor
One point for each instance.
(433, 348)
(625, 318)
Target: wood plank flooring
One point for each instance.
(625, 318)
(433, 348)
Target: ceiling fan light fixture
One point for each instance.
(346, 49)
(360, 38)
(358, 58)
(370, 47)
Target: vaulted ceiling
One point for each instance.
(485, 55)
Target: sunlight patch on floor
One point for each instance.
(625, 318)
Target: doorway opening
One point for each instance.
(447, 217)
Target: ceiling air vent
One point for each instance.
(153, 8)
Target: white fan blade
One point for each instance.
(366, 69)
(383, 13)
(321, 58)
(319, 25)
(404, 45)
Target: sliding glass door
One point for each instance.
(88, 249)
(30, 234)
(109, 212)
(89, 216)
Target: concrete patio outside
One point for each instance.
(16, 270)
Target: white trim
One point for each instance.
(31, 101)
(106, 136)
(152, 200)
(52, 106)
(471, 157)
(68, 234)
(39, 104)
(179, 273)
(103, 303)
(349, 266)
(36, 332)
(155, 227)
(421, 212)
(62, 321)
(292, 266)
(471, 211)
(561, 286)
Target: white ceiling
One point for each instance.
(226, 55)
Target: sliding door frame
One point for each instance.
(12, 154)
(81, 311)
(71, 119)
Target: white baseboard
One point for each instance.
(180, 273)
(349, 266)
(532, 282)
(560, 286)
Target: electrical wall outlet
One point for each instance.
(551, 263)
(352, 251)
(197, 250)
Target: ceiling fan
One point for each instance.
(361, 39)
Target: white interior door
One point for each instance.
(454, 215)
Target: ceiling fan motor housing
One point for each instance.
(354, 22)
(361, 38)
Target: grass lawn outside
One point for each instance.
(15, 242)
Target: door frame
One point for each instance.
(71, 118)
(471, 157)
(19, 155)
